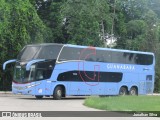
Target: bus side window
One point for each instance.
(100, 58)
(118, 57)
(88, 55)
(103, 56)
(108, 56)
(130, 58)
(40, 74)
(143, 59)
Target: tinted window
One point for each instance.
(130, 58)
(28, 52)
(103, 76)
(49, 52)
(143, 59)
(118, 57)
(70, 53)
(103, 56)
(44, 69)
(88, 54)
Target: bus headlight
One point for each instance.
(33, 85)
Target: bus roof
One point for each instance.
(99, 48)
(44, 44)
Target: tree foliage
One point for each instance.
(83, 20)
(19, 25)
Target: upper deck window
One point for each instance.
(49, 52)
(72, 53)
(40, 52)
(28, 53)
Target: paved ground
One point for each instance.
(27, 103)
(10, 102)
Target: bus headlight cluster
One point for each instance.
(18, 87)
(33, 85)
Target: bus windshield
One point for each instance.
(39, 52)
(28, 52)
(23, 76)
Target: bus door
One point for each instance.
(40, 82)
(42, 75)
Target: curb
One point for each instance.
(6, 92)
(154, 94)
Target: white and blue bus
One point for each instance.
(61, 70)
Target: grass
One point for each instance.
(124, 103)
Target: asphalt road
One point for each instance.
(28, 103)
(10, 102)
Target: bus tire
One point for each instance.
(133, 91)
(38, 96)
(123, 91)
(58, 92)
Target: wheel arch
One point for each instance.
(125, 86)
(63, 89)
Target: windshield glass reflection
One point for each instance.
(23, 76)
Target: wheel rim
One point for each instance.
(133, 92)
(122, 92)
(59, 93)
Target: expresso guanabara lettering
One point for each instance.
(121, 67)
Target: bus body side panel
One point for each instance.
(130, 78)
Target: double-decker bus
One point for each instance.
(61, 70)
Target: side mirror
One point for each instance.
(7, 62)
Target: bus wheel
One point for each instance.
(57, 95)
(133, 91)
(39, 96)
(123, 91)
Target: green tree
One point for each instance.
(83, 21)
(154, 5)
(50, 13)
(19, 25)
(118, 22)
(134, 9)
(136, 34)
